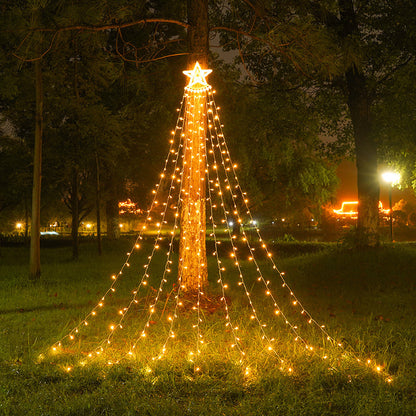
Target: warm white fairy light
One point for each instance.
(192, 244)
(226, 220)
(236, 263)
(225, 182)
(229, 324)
(200, 129)
(172, 319)
(223, 150)
(136, 246)
(145, 275)
(143, 332)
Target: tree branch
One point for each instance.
(87, 28)
(100, 28)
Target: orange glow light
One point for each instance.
(350, 209)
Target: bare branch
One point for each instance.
(87, 28)
(100, 28)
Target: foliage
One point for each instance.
(274, 134)
(343, 54)
(15, 179)
(97, 107)
(287, 93)
(396, 124)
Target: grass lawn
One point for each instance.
(367, 301)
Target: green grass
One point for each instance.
(366, 300)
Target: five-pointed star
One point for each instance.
(197, 77)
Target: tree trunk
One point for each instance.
(192, 251)
(193, 270)
(97, 203)
(359, 104)
(34, 268)
(26, 220)
(198, 33)
(113, 226)
(366, 160)
(75, 176)
(75, 214)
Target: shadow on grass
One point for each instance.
(61, 306)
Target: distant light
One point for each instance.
(283, 219)
(88, 225)
(19, 225)
(350, 209)
(120, 225)
(254, 222)
(391, 177)
(230, 223)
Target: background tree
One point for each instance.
(15, 180)
(81, 67)
(24, 16)
(82, 128)
(275, 134)
(338, 46)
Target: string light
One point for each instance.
(223, 150)
(198, 124)
(136, 246)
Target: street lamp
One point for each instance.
(392, 178)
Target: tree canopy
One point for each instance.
(309, 82)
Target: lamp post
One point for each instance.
(391, 178)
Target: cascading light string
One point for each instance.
(71, 335)
(145, 276)
(261, 278)
(223, 149)
(254, 315)
(200, 123)
(197, 131)
(163, 281)
(193, 131)
(143, 333)
(277, 309)
(229, 323)
(172, 319)
(232, 167)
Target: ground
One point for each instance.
(365, 299)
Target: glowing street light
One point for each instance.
(392, 178)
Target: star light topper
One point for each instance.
(197, 80)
